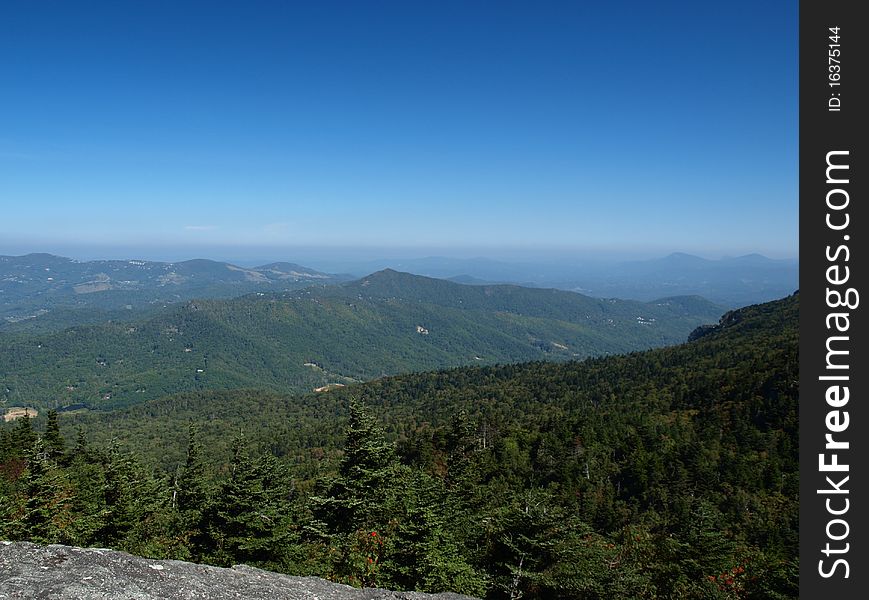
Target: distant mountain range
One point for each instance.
(35, 285)
(63, 292)
(322, 336)
(737, 281)
(733, 281)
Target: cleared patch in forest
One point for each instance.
(15, 412)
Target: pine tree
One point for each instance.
(47, 500)
(248, 518)
(461, 450)
(86, 472)
(120, 497)
(354, 513)
(358, 498)
(191, 496)
(23, 436)
(81, 450)
(55, 446)
(423, 553)
(539, 549)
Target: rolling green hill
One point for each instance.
(384, 324)
(42, 292)
(660, 474)
(746, 366)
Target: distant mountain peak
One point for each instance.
(684, 257)
(391, 281)
(754, 257)
(393, 275)
(45, 257)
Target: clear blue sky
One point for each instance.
(649, 126)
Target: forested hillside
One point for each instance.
(387, 323)
(670, 473)
(42, 292)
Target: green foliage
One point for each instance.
(248, 519)
(426, 553)
(286, 342)
(671, 473)
(356, 502)
(22, 438)
(361, 491)
(98, 291)
(55, 446)
(45, 500)
(385, 524)
(191, 496)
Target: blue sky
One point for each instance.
(569, 126)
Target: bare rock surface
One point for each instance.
(45, 572)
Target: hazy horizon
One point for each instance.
(178, 128)
(254, 255)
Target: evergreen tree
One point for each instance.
(359, 497)
(45, 513)
(120, 497)
(353, 516)
(461, 450)
(191, 496)
(55, 446)
(423, 553)
(23, 437)
(248, 518)
(540, 549)
(81, 450)
(86, 473)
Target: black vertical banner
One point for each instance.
(834, 363)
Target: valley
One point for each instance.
(384, 324)
(680, 463)
(386, 406)
(43, 292)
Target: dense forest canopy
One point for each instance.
(669, 473)
(384, 324)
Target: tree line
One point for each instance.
(666, 474)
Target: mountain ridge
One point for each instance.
(387, 324)
(48, 292)
(689, 451)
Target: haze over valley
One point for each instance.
(47, 292)
(310, 335)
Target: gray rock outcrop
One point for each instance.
(46, 572)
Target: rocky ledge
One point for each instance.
(33, 571)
